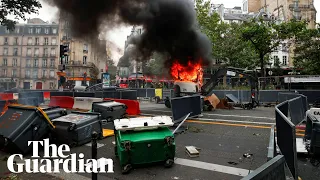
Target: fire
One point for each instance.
(192, 72)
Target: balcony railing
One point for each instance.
(52, 55)
(28, 65)
(80, 63)
(85, 51)
(45, 55)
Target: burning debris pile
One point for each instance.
(192, 72)
(170, 26)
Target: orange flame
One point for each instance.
(192, 72)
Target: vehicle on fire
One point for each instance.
(184, 88)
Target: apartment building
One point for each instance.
(82, 56)
(29, 55)
(284, 9)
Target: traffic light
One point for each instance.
(63, 52)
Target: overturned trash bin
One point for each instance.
(20, 124)
(76, 128)
(110, 110)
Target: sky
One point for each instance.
(118, 36)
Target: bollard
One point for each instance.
(94, 152)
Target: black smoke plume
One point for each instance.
(170, 26)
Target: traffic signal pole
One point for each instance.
(62, 67)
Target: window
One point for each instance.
(29, 52)
(54, 31)
(53, 52)
(36, 52)
(5, 40)
(30, 30)
(16, 41)
(28, 63)
(15, 62)
(38, 30)
(7, 31)
(46, 30)
(28, 73)
(284, 60)
(52, 63)
(51, 85)
(85, 48)
(35, 73)
(45, 52)
(37, 41)
(36, 63)
(51, 73)
(84, 60)
(46, 41)
(53, 41)
(276, 61)
(4, 72)
(29, 40)
(5, 62)
(17, 30)
(14, 73)
(44, 73)
(44, 63)
(5, 51)
(15, 51)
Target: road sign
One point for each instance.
(105, 80)
(270, 73)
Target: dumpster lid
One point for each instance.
(143, 123)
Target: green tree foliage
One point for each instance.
(227, 43)
(307, 51)
(18, 9)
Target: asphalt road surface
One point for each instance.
(224, 137)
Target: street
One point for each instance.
(231, 144)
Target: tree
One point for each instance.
(227, 43)
(17, 8)
(307, 51)
(235, 51)
(266, 36)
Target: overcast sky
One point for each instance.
(118, 36)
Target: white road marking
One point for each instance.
(98, 145)
(223, 120)
(226, 115)
(234, 121)
(212, 167)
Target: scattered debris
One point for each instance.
(247, 155)
(233, 163)
(220, 145)
(113, 142)
(192, 151)
(175, 178)
(256, 134)
(238, 147)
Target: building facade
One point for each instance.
(29, 55)
(82, 58)
(284, 9)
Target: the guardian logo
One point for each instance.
(50, 162)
